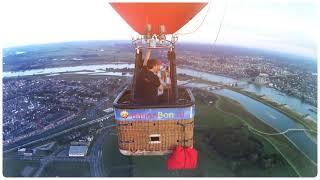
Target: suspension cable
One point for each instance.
(202, 22)
(220, 26)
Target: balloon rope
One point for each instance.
(148, 53)
(220, 26)
(204, 18)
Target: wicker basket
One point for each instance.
(154, 137)
(157, 132)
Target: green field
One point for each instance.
(66, 169)
(13, 168)
(115, 164)
(298, 161)
(216, 125)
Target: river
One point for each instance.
(292, 102)
(56, 71)
(276, 96)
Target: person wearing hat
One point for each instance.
(148, 83)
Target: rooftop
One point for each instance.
(78, 150)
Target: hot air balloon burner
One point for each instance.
(152, 43)
(162, 35)
(148, 29)
(155, 42)
(174, 39)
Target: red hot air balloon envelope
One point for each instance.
(173, 15)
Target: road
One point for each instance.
(95, 157)
(60, 133)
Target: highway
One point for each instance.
(60, 133)
(96, 166)
(45, 161)
(95, 154)
(94, 158)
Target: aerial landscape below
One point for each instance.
(255, 111)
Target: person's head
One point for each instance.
(154, 65)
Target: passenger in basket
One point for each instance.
(148, 83)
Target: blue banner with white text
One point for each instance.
(155, 114)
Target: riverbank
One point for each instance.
(234, 79)
(305, 122)
(295, 104)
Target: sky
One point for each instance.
(280, 25)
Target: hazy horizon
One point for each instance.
(268, 51)
(286, 25)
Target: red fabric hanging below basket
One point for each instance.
(183, 158)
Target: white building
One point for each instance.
(78, 151)
(28, 152)
(262, 78)
(109, 110)
(21, 151)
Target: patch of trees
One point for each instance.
(236, 145)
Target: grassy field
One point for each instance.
(220, 114)
(302, 165)
(209, 116)
(66, 169)
(114, 163)
(13, 168)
